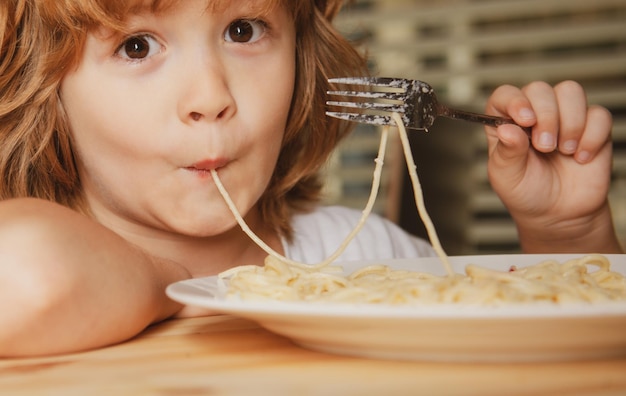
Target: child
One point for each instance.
(112, 114)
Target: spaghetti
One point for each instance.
(548, 281)
(284, 279)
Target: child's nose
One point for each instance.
(206, 95)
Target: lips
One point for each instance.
(207, 165)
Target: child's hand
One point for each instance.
(556, 184)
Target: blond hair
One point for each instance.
(41, 39)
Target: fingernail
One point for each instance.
(527, 113)
(547, 141)
(569, 146)
(583, 156)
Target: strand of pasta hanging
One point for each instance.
(379, 161)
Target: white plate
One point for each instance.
(445, 332)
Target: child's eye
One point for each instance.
(245, 31)
(138, 48)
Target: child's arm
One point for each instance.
(556, 186)
(69, 284)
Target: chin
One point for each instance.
(205, 229)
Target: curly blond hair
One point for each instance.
(42, 39)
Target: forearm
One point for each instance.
(594, 234)
(70, 284)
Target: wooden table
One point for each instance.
(223, 355)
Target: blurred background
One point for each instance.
(465, 49)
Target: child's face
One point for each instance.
(187, 91)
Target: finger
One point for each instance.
(510, 101)
(597, 134)
(546, 108)
(508, 152)
(572, 103)
(507, 163)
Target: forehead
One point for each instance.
(121, 8)
(113, 13)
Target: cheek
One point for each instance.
(278, 96)
(87, 110)
(265, 101)
(274, 78)
(103, 120)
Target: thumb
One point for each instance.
(508, 155)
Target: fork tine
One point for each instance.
(369, 94)
(374, 81)
(369, 106)
(363, 118)
(383, 88)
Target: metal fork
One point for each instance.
(414, 100)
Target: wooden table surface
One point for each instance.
(224, 355)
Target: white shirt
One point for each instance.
(319, 234)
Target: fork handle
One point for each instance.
(484, 119)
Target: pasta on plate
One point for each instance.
(575, 280)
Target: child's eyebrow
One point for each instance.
(152, 6)
(122, 15)
(254, 8)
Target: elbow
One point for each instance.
(34, 285)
